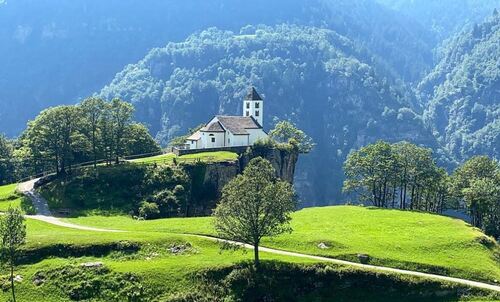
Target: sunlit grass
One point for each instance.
(402, 239)
(169, 158)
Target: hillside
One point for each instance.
(444, 17)
(316, 78)
(58, 52)
(410, 240)
(463, 92)
(158, 259)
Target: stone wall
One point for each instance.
(239, 150)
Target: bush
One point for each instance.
(93, 283)
(149, 210)
(276, 281)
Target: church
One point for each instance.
(232, 131)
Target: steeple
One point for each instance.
(253, 105)
(253, 95)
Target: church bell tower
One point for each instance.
(253, 105)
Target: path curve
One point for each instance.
(28, 189)
(43, 212)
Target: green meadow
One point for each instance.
(140, 259)
(401, 239)
(206, 157)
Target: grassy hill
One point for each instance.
(119, 189)
(401, 239)
(153, 263)
(159, 260)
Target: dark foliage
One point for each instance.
(287, 282)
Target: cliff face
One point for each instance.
(283, 161)
(208, 180)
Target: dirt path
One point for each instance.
(28, 189)
(43, 212)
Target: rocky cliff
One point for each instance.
(208, 179)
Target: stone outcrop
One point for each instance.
(208, 179)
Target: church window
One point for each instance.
(248, 105)
(213, 139)
(257, 105)
(248, 113)
(257, 113)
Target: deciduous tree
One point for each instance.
(286, 132)
(254, 205)
(13, 236)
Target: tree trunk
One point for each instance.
(12, 282)
(256, 254)
(94, 146)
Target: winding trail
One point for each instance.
(44, 214)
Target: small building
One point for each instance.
(232, 131)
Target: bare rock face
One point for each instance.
(284, 161)
(208, 180)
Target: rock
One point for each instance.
(179, 248)
(323, 246)
(38, 282)
(363, 258)
(92, 264)
(18, 278)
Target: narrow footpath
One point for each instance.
(44, 214)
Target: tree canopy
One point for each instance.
(400, 175)
(62, 136)
(477, 184)
(286, 132)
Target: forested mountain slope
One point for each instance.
(322, 81)
(444, 17)
(57, 51)
(463, 92)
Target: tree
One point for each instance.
(476, 184)
(13, 234)
(286, 132)
(254, 205)
(401, 174)
(369, 171)
(139, 141)
(121, 114)
(52, 135)
(92, 109)
(7, 167)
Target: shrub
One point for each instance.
(149, 210)
(276, 281)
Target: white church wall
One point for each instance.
(237, 140)
(212, 139)
(256, 134)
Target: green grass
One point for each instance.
(401, 236)
(207, 157)
(166, 273)
(400, 239)
(9, 197)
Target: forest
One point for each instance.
(347, 72)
